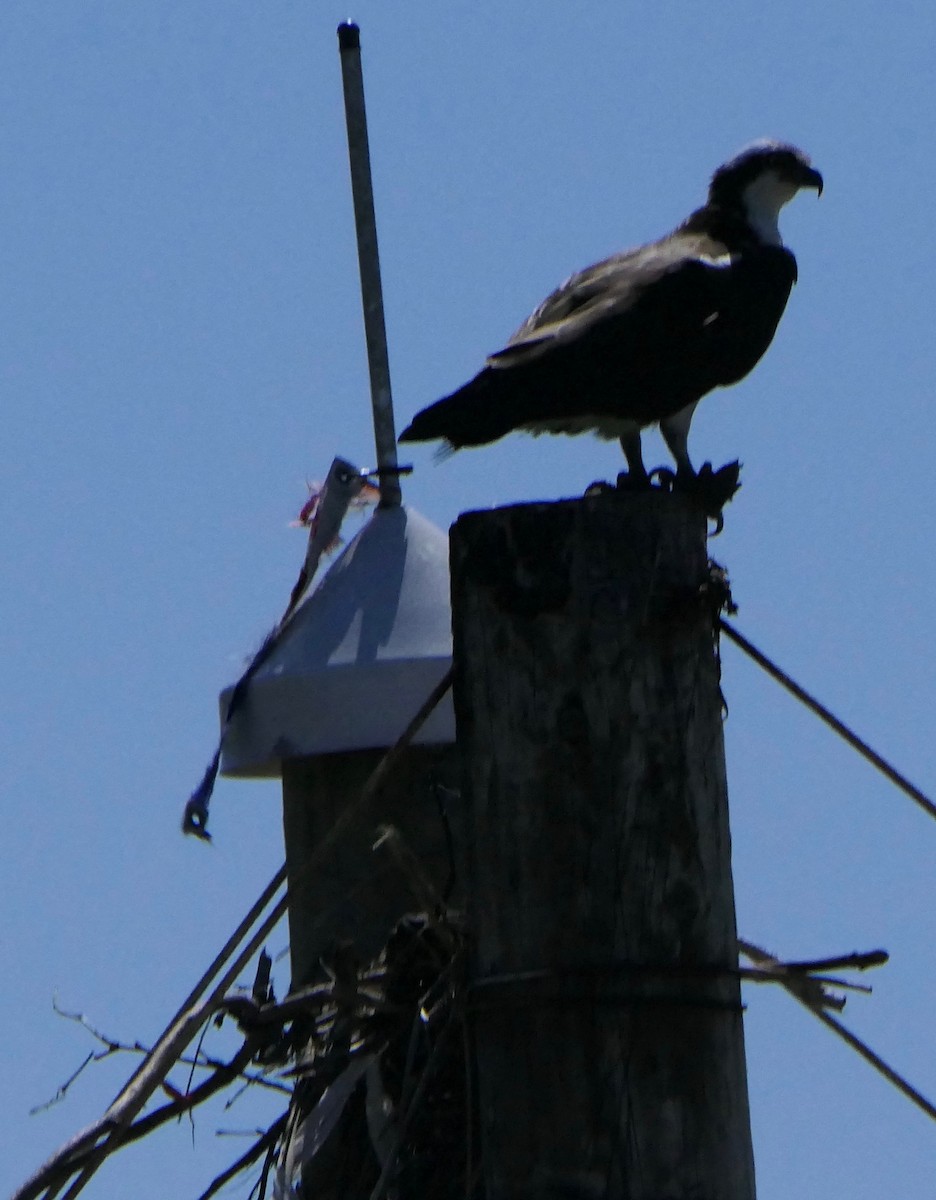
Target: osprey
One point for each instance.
(641, 337)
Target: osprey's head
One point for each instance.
(760, 180)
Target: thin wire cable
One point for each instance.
(830, 719)
(878, 1063)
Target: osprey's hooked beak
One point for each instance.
(811, 178)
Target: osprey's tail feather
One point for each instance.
(483, 410)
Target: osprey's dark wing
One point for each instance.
(632, 339)
(613, 283)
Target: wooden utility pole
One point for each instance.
(356, 896)
(604, 1002)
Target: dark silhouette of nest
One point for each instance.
(382, 1100)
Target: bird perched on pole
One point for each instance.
(641, 337)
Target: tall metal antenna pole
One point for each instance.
(349, 44)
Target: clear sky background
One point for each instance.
(181, 347)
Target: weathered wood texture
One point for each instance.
(589, 721)
(358, 894)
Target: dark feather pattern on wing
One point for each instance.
(634, 338)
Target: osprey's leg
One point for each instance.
(636, 474)
(712, 489)
(675, 430)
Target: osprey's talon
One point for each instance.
(633, 481)
(599, 488)
(711, 490)
(664, 478)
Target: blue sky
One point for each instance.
(182, 347)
